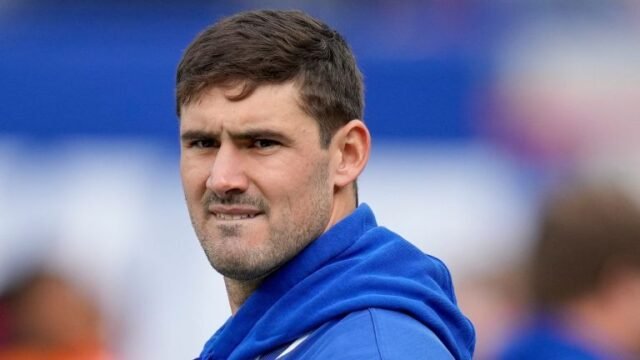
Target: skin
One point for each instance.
(610, 317)
(258, 185)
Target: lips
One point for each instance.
(221, 212)
(221, 216)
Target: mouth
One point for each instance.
(223, 216)
(226, 213)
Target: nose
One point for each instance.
(227, 174)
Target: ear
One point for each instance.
(353, 145)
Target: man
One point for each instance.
(271, 145)
(586, 279)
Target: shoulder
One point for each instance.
(373, 334)
(399, 336)
(546, 343)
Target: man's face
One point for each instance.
(256, 181)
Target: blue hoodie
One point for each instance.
(548, 336)
(355, 273)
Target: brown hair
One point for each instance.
(585, 233)
(271, 47)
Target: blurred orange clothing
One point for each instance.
(75, 353)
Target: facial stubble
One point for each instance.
(287, 235)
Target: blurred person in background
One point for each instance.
(585, 279)
(45, 317)
(567, 80)
(270, 104)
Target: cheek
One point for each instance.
(194, 180)
(310, 183)
(194, 187)
(298, 182)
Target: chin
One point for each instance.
(243, 274)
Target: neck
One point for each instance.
(600, 324)
(343, 205)
(239, 291)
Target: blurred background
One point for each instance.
(476, 108)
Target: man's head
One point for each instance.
(586, 264)
(269, 105)
(587, 233)
(272, 47)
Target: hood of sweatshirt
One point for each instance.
(353, 266)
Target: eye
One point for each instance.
(264, 143)
(202, 143)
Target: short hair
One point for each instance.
(271, 47)
(585, 233)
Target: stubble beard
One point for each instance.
(286, 238)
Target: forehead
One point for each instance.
(266, 104)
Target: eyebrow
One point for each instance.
(190, 135)
(259, 133)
